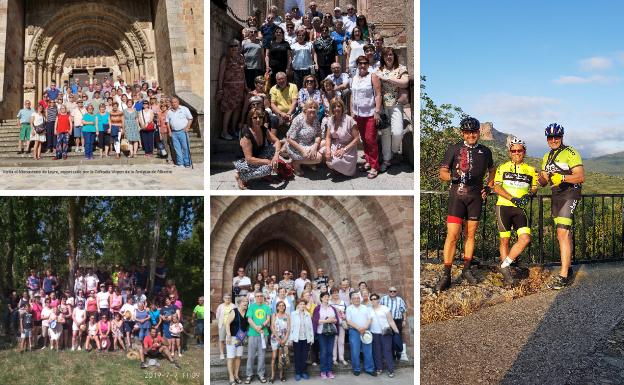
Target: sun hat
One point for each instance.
(367, 337)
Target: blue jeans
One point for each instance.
(89, 138)
(50, 137)
(142, 333)
(180, 145)
(356, 347)
(326, 352)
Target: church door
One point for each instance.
(275, 256)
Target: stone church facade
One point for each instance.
(363, 238)
(45, 40)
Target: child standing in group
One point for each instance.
(26, 326)
(175, 329)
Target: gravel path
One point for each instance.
(540, 339)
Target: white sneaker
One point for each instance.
(179, 354)
(43, 348)
(79, 348)
(73, 348)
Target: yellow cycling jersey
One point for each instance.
(516, 179)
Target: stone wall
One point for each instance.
(364, 238)
(222, 29)
(11, 54)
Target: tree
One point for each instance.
(74, 214)
(436, 134)
(154, 251)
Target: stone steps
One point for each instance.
(218, 367)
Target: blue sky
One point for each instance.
(524, 64)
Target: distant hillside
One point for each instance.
(607, 164)
(603, 175)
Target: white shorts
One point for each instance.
(234, 351)
(75, 327)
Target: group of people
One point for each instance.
(309, 88)
(108, 312)
(466, 165)
(112, 116)
(314, 317)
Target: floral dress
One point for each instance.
(281, 324)
(131, 126)
(304, 134)
(391, 91)
(233, 83)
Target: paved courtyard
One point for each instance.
(103, 177)
(398, 177)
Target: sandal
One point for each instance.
(365, 167)
(248, 380)
(372, 174)
(263, 380)
(238, 380)
(241, 185)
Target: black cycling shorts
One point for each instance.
(562, 210)
(464, 207)
(104, 139)
(508, 217)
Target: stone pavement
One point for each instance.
(546, 338)
(398, 177)
(403, 376)
(103, 177)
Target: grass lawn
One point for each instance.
(81, 368)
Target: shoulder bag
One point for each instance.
(387, 331)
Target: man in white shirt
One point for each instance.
(180, 120)
(241, 282)
(91, 280)
(349, 19)
(359, 319)
(79, 282)
(300, 282)
(102, 301)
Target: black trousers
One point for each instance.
(396, 349)
(301, 355)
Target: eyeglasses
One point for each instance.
(374, 299)
(362, 63)
(516, 151)
(310, 81)
(553, 137)
(256, 117)
(393, 291)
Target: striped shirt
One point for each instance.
(396, 305)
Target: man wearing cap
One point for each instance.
(359, 319)
(337, 14)
(465, 165)
(398, 311)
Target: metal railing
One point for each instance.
(597, 232)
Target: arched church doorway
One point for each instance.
(114, 38)
(276, 256)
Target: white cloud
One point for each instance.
(595, 79)
(596, 63)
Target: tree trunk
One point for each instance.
(156, 238)
(10, 251)
(175, 227)
(31, 232)
(73, 220)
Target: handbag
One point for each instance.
(40, 129)
(285, 170)
(125, 144)
(384, 122)
(329, 329)
(241, 335)
(149, 126)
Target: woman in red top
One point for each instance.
(36, 309)
(62, 127)
(92, 305)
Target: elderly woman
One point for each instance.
(328, 92)
(341, 308)
(341, 139)
(394, 81)
(231, 88)
(302, 58)
(382, 328)
(309, 91)
(301, 336)
(261, 149)
(366, 110)
(223, 312)
(304, 138)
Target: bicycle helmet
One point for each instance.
(515, 140)
(554, 129)
(469, 124)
